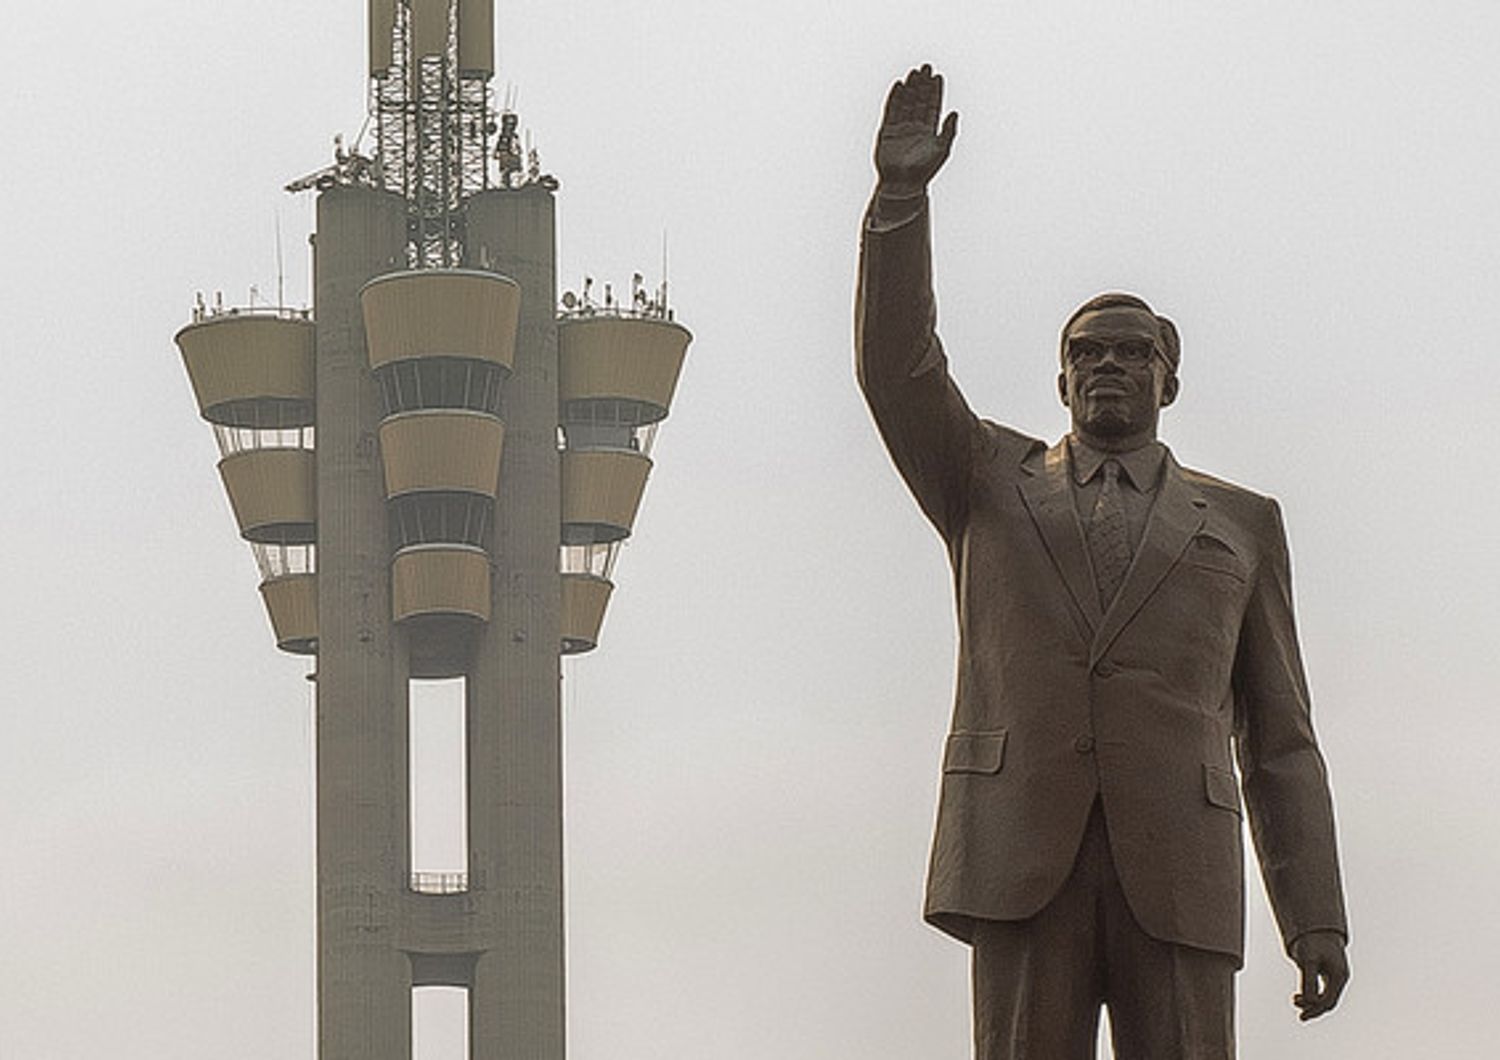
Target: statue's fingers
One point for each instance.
(1335, 976)
(913, 83)
(916, 98)
(1320, 989)
(917, 81)
(932, 101)
(1307, 995)
(1337, 979)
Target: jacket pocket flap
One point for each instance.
(1212, 553)
(1221, 788)
(974, 752)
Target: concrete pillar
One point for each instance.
(364, 979)
(515, 738)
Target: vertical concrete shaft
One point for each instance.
(514, 718)
(364, 979)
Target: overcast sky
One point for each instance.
(1309, 190)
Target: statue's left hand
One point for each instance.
(1325, 969)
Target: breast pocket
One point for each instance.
(1207, 552)
(974, 752)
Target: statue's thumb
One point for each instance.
(949, 130)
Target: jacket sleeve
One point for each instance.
(927, 426)
(1283, 774)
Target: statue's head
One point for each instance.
(1119, 367)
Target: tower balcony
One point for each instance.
(585, 597)
(289, 589)
(587, 573)
(440, 595)
(601, 493)
(452, 313)
(628, 360)
(251, 369)
(292, 603)
(443, 580)
(273, 493)
(453, 450)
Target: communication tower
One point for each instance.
(435, 467)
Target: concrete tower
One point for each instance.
(411, 461)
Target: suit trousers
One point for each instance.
(1039, 982)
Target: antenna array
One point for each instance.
(439, 138)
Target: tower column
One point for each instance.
(514, 716)
(364, 979)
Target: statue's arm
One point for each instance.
(1286, 782)
(931, 433)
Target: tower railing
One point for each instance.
(439, 882)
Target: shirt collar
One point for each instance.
(1142, 466)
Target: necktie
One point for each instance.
(1109, 536)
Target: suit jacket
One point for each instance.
(1059, 704)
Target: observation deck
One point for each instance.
(618, 369)
(252, 375)
(441, 345)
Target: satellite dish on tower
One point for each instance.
(569, 300)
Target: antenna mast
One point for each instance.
(280, 269)
(431, 62)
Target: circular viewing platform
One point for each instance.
(626, 358)
(441, 313)
(585, 597)
(445, 580)
(250, 368)
(274, 494)
(450, 450)
(601, 493)
(292, 603)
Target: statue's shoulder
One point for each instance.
(1214, 485)
(1245, 505)
(1010, 446)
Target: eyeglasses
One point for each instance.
(1091, 351)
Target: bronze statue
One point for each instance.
(1123, 621)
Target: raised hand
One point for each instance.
(910, 148)
(1320, 957)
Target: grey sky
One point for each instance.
(1307, 189)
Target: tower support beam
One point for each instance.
(515, 735)
(364, 980)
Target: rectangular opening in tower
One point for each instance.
(440, 1023)
(438, 779)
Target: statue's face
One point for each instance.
(1115, 378)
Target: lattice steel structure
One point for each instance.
(435, 126)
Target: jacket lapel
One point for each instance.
(1175, 517)
(1049, 499)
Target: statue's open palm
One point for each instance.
(910, 147)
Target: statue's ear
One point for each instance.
(1062, 387)
(1171, 339)
(1169, 387)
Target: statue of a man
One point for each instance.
(1124, 623)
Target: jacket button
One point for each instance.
(1083, 745)
(1106, 669)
